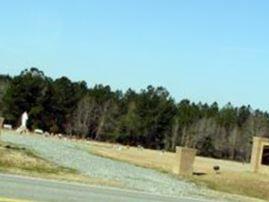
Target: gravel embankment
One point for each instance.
(71, 154)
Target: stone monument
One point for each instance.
(23, 127)
(184, 161)
(260, 155)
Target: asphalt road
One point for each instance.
(13, 186)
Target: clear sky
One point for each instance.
(210, 50)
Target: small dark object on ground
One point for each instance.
(8, 147)
(216, 169)
(199, 173)
(14, 148)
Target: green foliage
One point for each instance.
(150, 117)
(4, 83)
(25, 93)
(206, 147)
(147, 117)
(48, 102)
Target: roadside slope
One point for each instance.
(71, 154)
(15, 159)
(76, 156)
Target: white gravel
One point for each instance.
(73, 155)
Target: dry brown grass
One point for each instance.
(3, 199)
(234, 177)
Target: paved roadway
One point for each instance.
(13, 186)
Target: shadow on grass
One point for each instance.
(199, 173)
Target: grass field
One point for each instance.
(234, 177)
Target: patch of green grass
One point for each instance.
(13, 157)
(4, 199)
(245, 183)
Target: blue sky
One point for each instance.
(202, 50)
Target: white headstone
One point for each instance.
(7, 126)
(38, 131)
(24, 119)
(23, 127)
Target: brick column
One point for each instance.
(256, 154)
(184, 161)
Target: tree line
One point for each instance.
(150, 118)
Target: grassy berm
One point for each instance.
(19, 160)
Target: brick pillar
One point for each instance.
(256, 154)
(184, 161)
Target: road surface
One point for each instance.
(27, 188)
